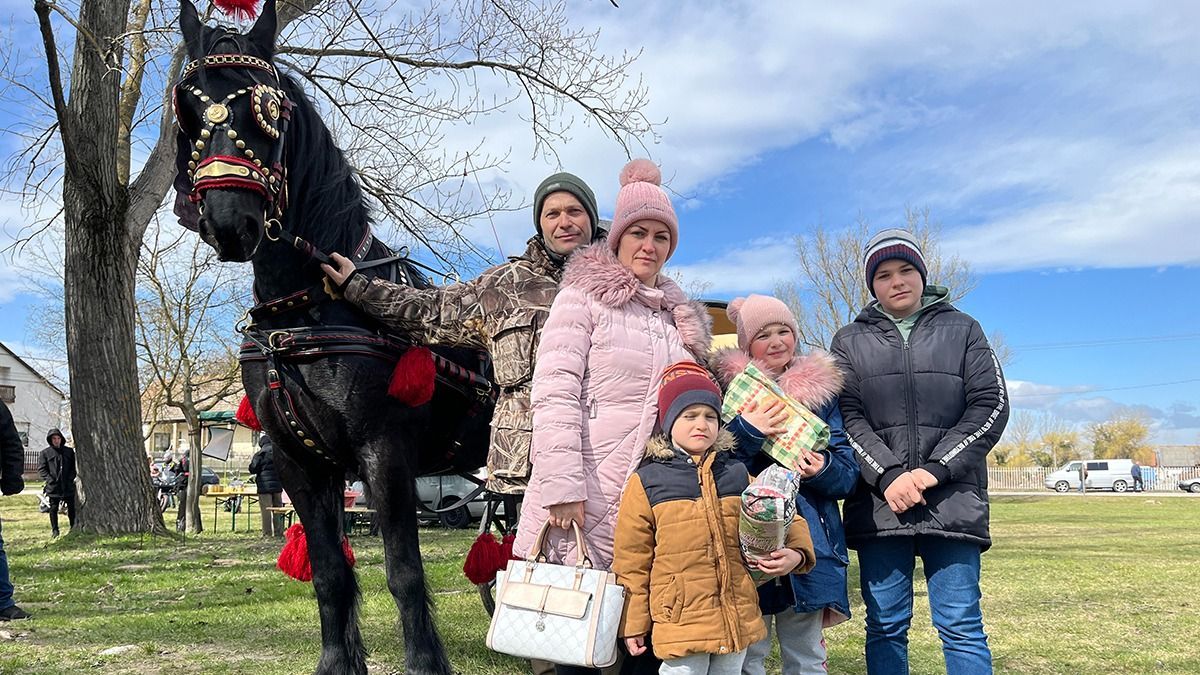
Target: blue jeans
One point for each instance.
(6, 587)
(952, 572)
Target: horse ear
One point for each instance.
(263, 32)
(190, 26)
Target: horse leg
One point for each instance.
(394, 497)
(318, 503)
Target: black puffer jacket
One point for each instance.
(57, 467)
(262, 464)
(12, 454)
(937, 403)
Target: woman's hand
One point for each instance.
(561, 515)
(768, 420)
(782, 561)
(636, 646)
(345, 267)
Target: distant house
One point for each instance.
(1178, 455)
(36, 404)
(166, 429)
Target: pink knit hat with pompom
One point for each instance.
(641, 198)
(753, 313)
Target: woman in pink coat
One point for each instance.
(616, 323)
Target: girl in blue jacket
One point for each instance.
(797, 607)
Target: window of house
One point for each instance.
(162, 441)
(8, 393)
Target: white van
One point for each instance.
(1102, 474)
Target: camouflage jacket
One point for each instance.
(502, 311)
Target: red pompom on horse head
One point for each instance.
(238, 9)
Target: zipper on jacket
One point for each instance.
(914, 459)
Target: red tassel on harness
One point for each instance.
(506, 551)
(413, 379)
(293, 559)
(246, 416)
(485, 558)
(238, 9)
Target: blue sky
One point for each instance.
(1057, 145)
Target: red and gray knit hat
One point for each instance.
(642, 198)
(889, 244)
(685, 384)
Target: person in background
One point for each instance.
(270, 489)
(183, 470)
(1136, 473)
(57, 468)
(12, 463)
(1083, 475)
(924, 402)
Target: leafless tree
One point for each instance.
(393, 81)
(187, 305)
(831, 288)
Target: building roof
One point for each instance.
(32, 369)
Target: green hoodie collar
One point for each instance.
(932, 295)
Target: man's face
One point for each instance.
(565, 223)
(56, 441)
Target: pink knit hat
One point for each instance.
(641, 198)
(753, 313)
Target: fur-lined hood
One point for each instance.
(661, 449)
(813, 379)
(596, 271)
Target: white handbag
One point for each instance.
(565, 614)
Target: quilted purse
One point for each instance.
(564, 614)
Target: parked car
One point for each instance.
(1102, 474)
(207, 475)
(1190, 484)
(437, 492)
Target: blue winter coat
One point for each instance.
(814, 381)
(826, 585)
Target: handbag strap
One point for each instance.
(537, 554)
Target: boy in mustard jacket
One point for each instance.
(676, 548)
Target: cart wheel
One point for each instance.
(487, 594)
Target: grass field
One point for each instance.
(1072, 585)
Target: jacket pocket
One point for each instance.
(512, 432)
(666, 606)
(514, 347)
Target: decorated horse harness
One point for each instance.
(282, 349)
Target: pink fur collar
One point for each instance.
(813, 379)
(596, 271)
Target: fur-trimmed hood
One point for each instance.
(596, 271)
(660, 447)
(813, 379)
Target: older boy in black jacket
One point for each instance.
(12, 462)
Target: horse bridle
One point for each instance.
(272, 111)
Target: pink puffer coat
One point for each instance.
(595, 393)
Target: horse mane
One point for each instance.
(325, 201)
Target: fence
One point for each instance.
(1157, 479)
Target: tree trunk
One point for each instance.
(196, 483)
(99, 278)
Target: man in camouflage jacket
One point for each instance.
(502, 311)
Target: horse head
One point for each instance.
(232, 116)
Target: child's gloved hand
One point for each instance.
(636, 646)
(781, 562)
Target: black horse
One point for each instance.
(261, 179)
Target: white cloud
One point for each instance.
(755, 268)
(1143, 213)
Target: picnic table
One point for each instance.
(357, 517)
(234, 500)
